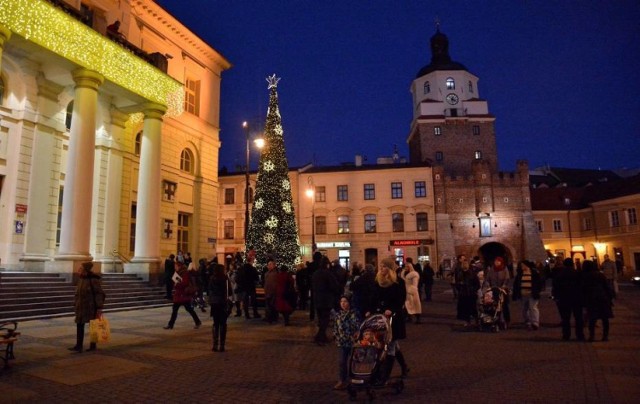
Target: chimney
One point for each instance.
(358, 160)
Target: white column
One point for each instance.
(148, 225)
(75, 233)
(5, 34)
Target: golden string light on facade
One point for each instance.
(40, 22)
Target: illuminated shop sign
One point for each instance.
(334, 244)
(409, 243)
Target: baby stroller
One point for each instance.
(367, 356)
(490, 304)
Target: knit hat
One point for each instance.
(498, 264)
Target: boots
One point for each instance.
(417, 316)
(216, 332)
(79, 338)
(403, 364)
(223, 336)
(92, 346)
(385, 370)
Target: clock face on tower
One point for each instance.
(452, 99)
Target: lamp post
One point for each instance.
(259, 144)
(311, 193)
(567, 202)
(245, 126)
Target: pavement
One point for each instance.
(275, 364)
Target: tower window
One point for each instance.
(437, 130)
(439, 156)
(478, 155)
(475, 130)
(470, 86)
(451, 84)
(138, 144)
(427, 87)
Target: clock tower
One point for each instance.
(451, 125)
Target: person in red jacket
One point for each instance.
(183, 293)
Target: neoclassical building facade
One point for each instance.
(108, 140)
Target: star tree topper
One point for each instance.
(273, 81)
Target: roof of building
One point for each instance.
(552, 177)
(440, 59)
(574, 197)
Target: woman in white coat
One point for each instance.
(412, 303)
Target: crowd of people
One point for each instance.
(340, 298)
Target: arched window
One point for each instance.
(67, 120)
(138, 146)
(470, 86)
(427, 87)
(186, 161)
(451, 84)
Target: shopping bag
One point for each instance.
(99, 330)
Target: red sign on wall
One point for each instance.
(20, 208)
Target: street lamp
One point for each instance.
(260, 144)
(311, 193)
(567, 202)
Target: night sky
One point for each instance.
(561, 76)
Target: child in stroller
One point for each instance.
(368, 354)
(490, 302)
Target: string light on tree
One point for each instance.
(273, 230)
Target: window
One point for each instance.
(427, 87)
(397, 222)
(321, 194)
(167, 228)
(67, 119)
(183, 231)
(439, 156)
(186, 161)
(586, 223)
(557, 225)
(228, 229)
(451, 84)
(343, 224)
(229, 196)
(59, 221)
(475, 129)
(369, 223)
(396, 190)
(470, 86)
(614, 218)
(369, 192)
(132, 228)
(632, 218)
(421, 189)
(169, 191)
(422, 222)
(539, 226)
(137, 147)
(192, 96)
(477, 155)
(437, 130)
(321, 225)
(343, 192)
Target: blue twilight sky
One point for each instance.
(561, 76)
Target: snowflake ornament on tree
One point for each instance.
(269, 166)
(259, 203)
(272, 222)
(269, 238)
(286, 185)
(286, 206)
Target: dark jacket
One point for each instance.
(536, 285)
(392, 298)
(89, 297)
(325, 289)
(566, 286)
(596, 294)
(363, 289)
(246, 278)
(219, 289)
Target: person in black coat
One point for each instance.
(567, 294)
(597, 297)
(219, 292)
(325, 291)
(390, 294)
(428, 275)
(246, 280)
(169, 269)
(363, 289)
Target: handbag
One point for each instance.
(99, 330)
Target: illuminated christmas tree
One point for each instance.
(273, 231)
